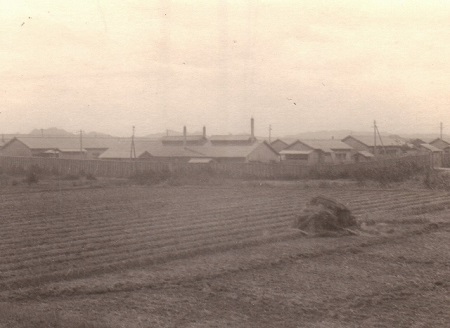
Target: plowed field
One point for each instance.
(54, 239)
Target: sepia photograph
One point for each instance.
(224, 163)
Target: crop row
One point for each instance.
(59, 240)
(148, 238)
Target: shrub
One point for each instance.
(31, 178)
(386, 173)
(71, 177)
(433, 180)
(149, 177)
(32, 174)
(90, 176)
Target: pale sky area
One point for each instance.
(300, 66)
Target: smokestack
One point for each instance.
(252, 127)
(184, 136)
(204, 132)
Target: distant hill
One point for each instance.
(170, 133)
(94, 134)
(318, 135)
(51, 132)
(162, 134)
(341, 134)
(63, 133)
(427, 137)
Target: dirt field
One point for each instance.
(221, 256)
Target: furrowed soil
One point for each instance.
(221, 256)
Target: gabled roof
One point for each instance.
(153, 148)
(230, 151)
(158, 149)
(365, 153)
(430, 148)
(279, 144)
(279, 140)
(47, 142)
(71, 150)
(439, 139)
(369, 141)
(326, 146)
(296, 152)
(123, 149)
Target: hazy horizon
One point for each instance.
(299, 66)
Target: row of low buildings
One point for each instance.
(223, 148)
(357, 149)
(185, 148)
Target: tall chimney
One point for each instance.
(252, 127)
(204, 132)
(184, 136)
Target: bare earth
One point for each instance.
(221, 256)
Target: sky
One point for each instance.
(299, 66)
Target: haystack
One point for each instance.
(323, 215)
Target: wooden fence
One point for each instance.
(125, 169)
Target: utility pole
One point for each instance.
(133, 147)
(381, 140)
(270, 133)
(375, 138)
(442, 127)
(81, 144)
